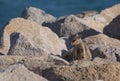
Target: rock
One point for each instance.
(19, 73)
(111, 13)
(72, 24)
(104, 47)
(21, 45)
(112, 29)
(96, 22)
(40, 36)
(33, 63)
(86, 14)
(38, 65)
(4, 42)
(98, 69)
(66, 26)
(37, 15)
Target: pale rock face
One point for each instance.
(29, 28)
(97, 22)
(104, 47)
(86, 14)
(21, 45)
(4, 42)
(111, 13)
(41, 36)
(37, 15)
(19, 73)
(93, 20)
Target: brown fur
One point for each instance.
(81, 51)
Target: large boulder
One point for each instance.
(96, 22)
(66, 26)
(35, 64)
(72, 24)
(111, 13)
(29, 32)
(37, 15)
(19, 73)
(21, 45)
(97, 70)
(104, 46)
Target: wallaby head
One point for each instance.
(75, 39)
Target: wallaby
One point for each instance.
(80, 49)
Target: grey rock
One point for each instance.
(66, 26)
(99, 69)
(19, 73)
(37, 15)
(33, 63)
(71, 26)
(104, 47)
(21, 45)
(37, 35)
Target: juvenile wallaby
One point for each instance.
(80, 49)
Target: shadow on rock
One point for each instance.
(88, 32)
(54, 26)
(113, 29)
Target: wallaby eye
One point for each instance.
(73, 40)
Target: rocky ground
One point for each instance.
(37, 46)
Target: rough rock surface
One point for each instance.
(66, 26)
(4, 42)
(19, 73)
(96, 22)
(93, 20)
(37, 15)
(21, 45)
(35, 64)
(71, 24)
(111, 13)
(98, 69)
(104, 47)
(43, 37)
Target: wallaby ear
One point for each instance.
(78, 35)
